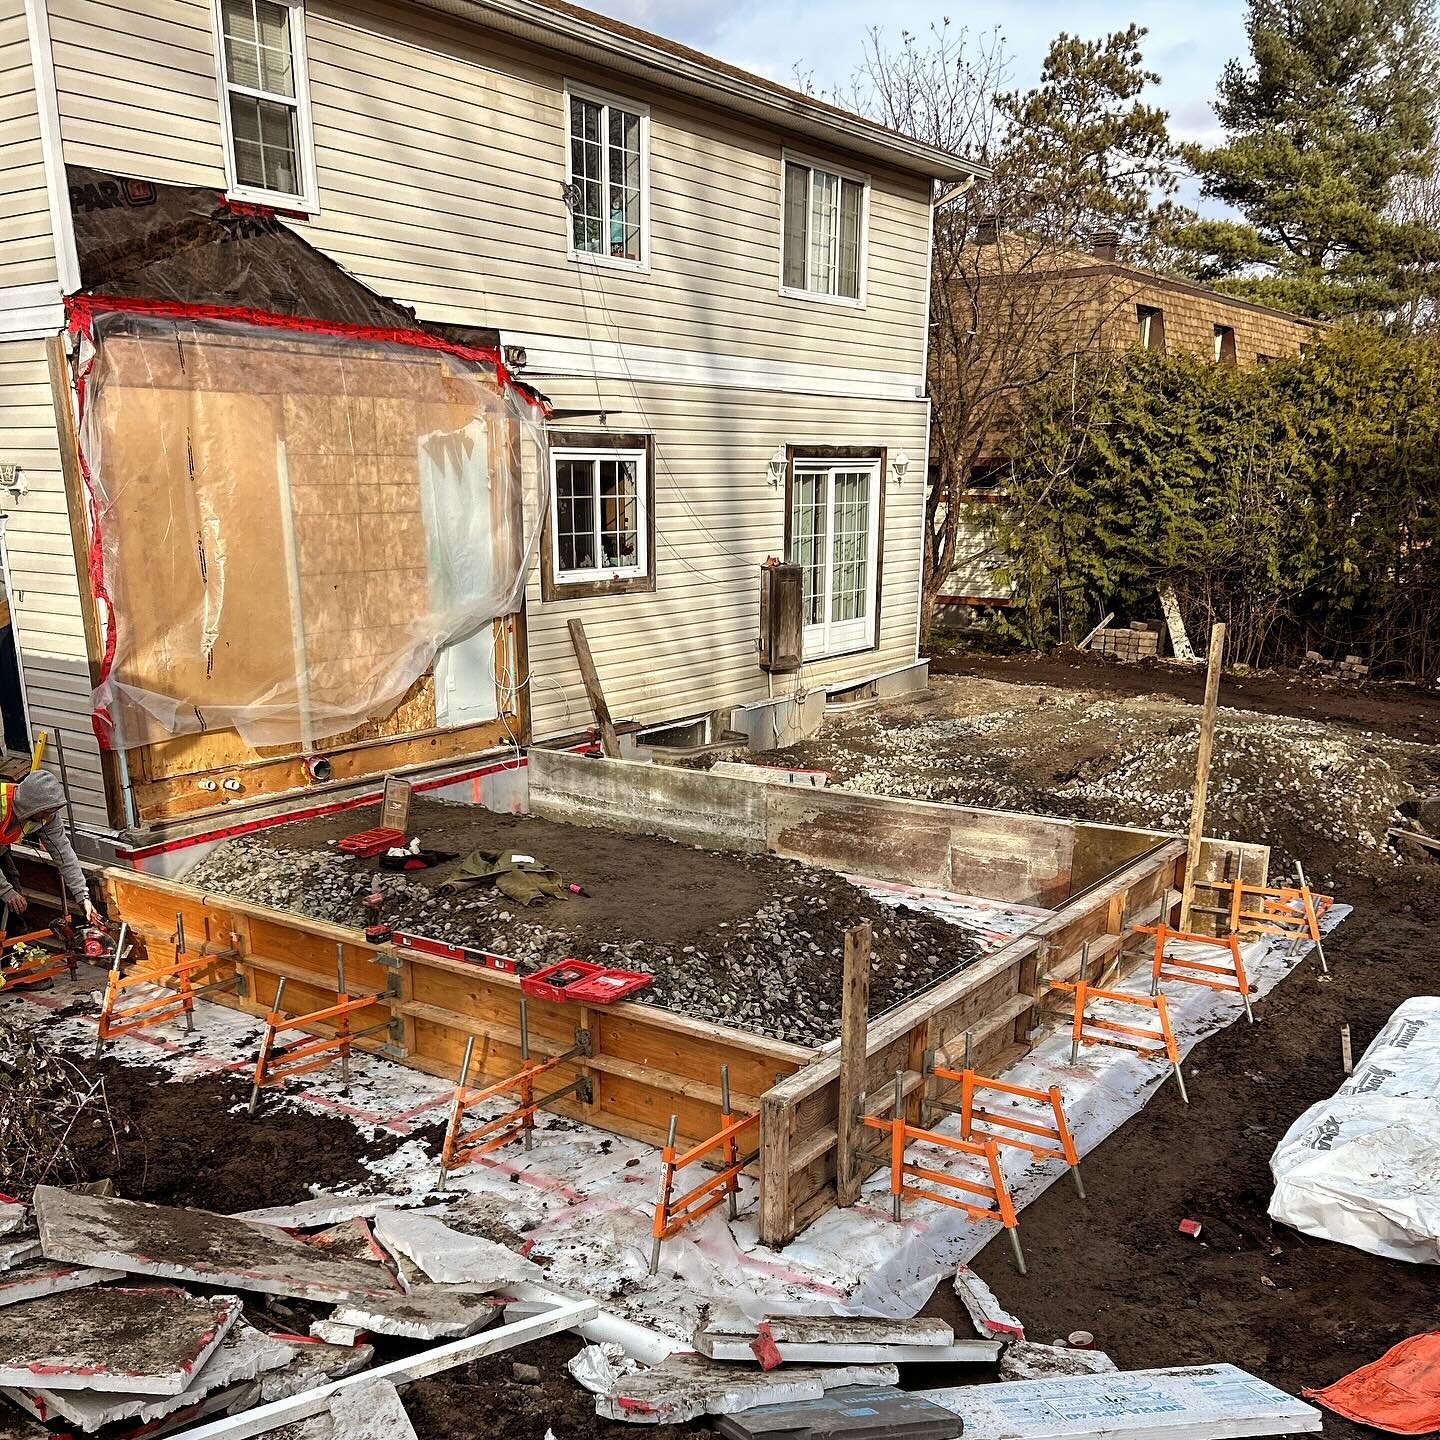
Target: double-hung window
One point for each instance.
(834, 537)
(602, 535)
(824, 233)
(609, 182)
(266, 110)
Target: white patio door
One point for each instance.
(834, 525)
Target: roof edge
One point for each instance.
(631, 50)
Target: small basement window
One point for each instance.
(609, 180)
(269, 154)
(601, 524)
(1150, 327)
(1225, 345)
(824, 219)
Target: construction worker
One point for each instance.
(31, 811)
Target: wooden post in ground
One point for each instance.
(609, 740)
(1213, 662)
(854, 1024)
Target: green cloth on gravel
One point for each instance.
(516, 876)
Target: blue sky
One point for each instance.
(1188, 42)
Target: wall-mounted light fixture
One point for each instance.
(776, 465)
(899, 464)
(12, 478)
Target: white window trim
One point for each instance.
(638, 571)
(634, 107)
(309, 200)
(818, 297)
(857, 636)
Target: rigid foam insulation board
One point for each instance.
(133, 1340)
(842, 1340)
(1200, 1402)
(243, 1354)
(45, 1277)
(450, 1257)
(854, 1412)
(199, 1247)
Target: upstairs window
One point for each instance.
(609, 184)
(266, 115)
(824, 239)
(1150, 327)
(1225, 345)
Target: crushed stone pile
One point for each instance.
(1324, 792)
(774, 971)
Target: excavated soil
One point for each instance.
(486, 1397)
(1320, 790)
(191, 1143)
(750, 940)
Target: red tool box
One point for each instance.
(369, 843)
(584, 982)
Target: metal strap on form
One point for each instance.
(518, 1123)
(673, 1213)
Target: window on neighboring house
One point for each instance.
(1150, 327)
(1264, 359)
(267, 113)
(1225, 345)
(824, 233)
(833, 534)
(601, 520)
(609, 197)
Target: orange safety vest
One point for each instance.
(11, 829)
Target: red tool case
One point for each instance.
(584, 982)
(368, 843)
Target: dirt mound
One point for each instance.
(750, 940)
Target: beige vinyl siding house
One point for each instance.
(434, 166)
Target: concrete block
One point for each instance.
(370, 1411)
(196, 1246)
(244, 1353)
(684, 1387)
(45, 1277)
(135, 1340)
(448, 1257)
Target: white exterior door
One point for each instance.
(834, 528)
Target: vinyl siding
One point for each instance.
(45, 594)
(27, 248)
(691, 646)
(440, 153)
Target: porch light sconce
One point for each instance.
(899, 464)
(776, 465)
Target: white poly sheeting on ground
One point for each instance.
(993, 922)
(583, 1198)
(1363, 1167)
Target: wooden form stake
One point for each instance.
(854, 1027)
(609, 740)
(1213, 663)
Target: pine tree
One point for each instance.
(1334, 113)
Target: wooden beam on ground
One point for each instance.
(609, 740)
(1214, 662)
(854, 1024)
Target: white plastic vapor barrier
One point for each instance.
(1363, 1167)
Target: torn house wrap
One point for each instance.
(291, 523)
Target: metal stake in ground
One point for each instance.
(1213, 663)
(1310, 914)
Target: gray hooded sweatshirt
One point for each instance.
(35, 794)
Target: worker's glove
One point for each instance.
(93, 916)
(18, 903)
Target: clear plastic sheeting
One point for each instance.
(289, 526)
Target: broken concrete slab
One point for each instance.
(429, 1312)
(370, 1411)
(44, 1277)
(13, 1216)
(448, 1256)
(1199, 1402)
(322, 1210)
(686, 1386)
(1023, 1360)
(854, 1412)
(344, 1336)
(135, 1340)
(18, 1250)
(313, 1363)
(200, 1247)
(986, 1313)
(243, 1354)
(350, 1240)
(837, 1340)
